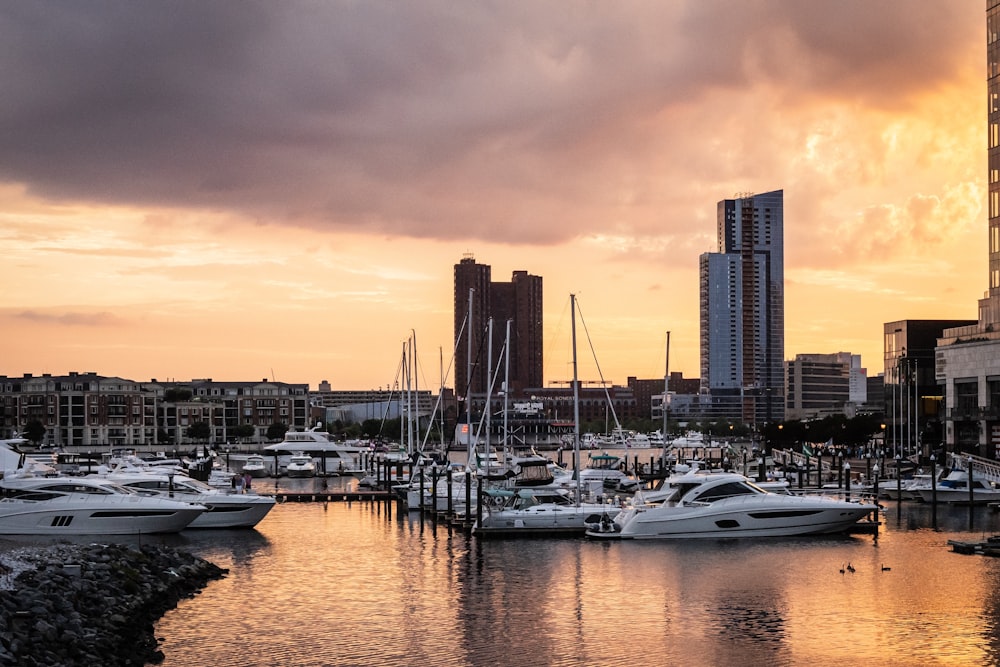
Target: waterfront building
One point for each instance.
(913, 397)
(519, 301)
(967, 360)
(742, 312)
(79, 408)
(92, 410)
(821, 385)
(356, 406)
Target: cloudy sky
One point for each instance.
(241, 190)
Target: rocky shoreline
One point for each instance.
(94, 604)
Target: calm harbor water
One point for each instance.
(365, 584)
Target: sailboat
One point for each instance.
(506, 512)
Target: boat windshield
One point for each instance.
(728, 490)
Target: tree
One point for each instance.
(243, 431)
(277, 431)
(177, 394)
(34, 431)
(199, 431)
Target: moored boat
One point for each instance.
(538, 511)
(223, 509)
(714, 505)
(256, 466)
(300, 465)
(955, 489)
(33, 505)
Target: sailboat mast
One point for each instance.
(414, 396)
(468, 383)
(489, 388)
(506, 393)
(576, 399)
(404, 402)
(441, 392)
(666, 392)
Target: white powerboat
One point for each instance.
(32, 505)
(605, 470)
(540, 511)
(223, 509)
(954, 488)
(300, 465)
(255, 466)
(726, 505)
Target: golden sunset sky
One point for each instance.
(241, 190)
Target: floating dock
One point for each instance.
(988, 547)
(330, 496)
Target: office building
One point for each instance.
(821, 385)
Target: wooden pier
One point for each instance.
(330, 496)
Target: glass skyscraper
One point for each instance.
(743, 311)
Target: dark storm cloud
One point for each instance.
(456, 120)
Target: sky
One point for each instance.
(249, 190)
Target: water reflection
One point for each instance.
(365, 584)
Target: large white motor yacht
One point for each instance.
(729, 505)
(223, 508)
(33, 505)
(331, 456)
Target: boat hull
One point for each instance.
(246, 512)
(68, 516)
(751, 520)
(959, 496)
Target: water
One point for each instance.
(363, 584)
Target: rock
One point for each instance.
(102, 610)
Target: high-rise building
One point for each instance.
(967, 358)
(743, 311)
(519, 301)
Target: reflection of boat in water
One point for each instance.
(300, 465)
(542, 511)
(729, 505)
(86, 506)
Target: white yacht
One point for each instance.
(256, 466)
(300, 465)
(954, 488)
(223, 509)
(342, 458)
(32, 505)
(605, 470)
(714, 505)
(509, 512)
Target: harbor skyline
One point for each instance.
(282, 191)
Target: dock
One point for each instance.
(330, 496)
(988, 547)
